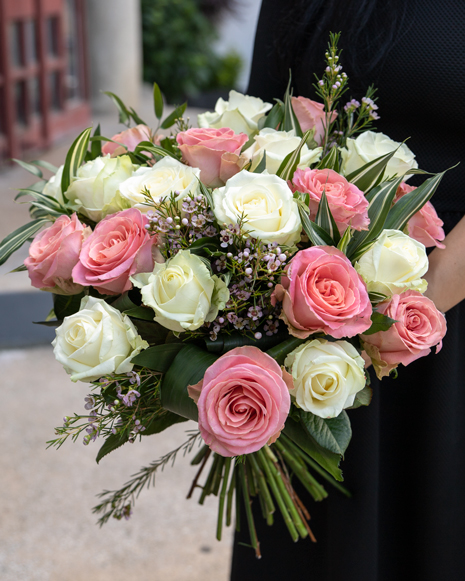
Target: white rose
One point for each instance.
(241, 113)
(97, 340)
(394, 264)
(266, 202)
(327, 375)
(370, 145)
(166, 177)
(182, 292)
(277, 145)
(53, 187)
(94, 191)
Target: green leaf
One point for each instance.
(66, 305)
(261, 167)
(96, 146)
(74, 159)
(275, 116)
(291, 161)
(330, 160)
(157, 101)
(123, 303)
(161, 423)
(176, 114)
(168, 145)
(29, 167)
(325, 219)
(362, 397)
(326, 459)
(371, 173)
(158, 358)
(376, 298)
(346, 238)
(225, 342)
(205, 244)
(145, 313)
(333, 434)
(381, 198)
(20, 268)
(411, 203)
(148, 146)
(379, 323)
(45, 199)
(113, 442)
(150, 331)
(188, 368)
(46, 165)
(206, 193)
(136, 117)
(281, 351)
(290, 121)
(124, 114)
(16, 239)
(316, 234)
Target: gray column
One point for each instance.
(114, 44)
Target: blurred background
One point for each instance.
(56, 58)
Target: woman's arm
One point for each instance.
(446, 273)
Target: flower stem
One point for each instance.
(208, 484)
(263, 489)
(248, 511)
(229, 503)
(265, 464)
(227, 468)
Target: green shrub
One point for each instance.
(177, 48)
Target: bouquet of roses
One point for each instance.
(243, 275)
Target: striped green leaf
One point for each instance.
(29, 167)
(344, 241)
(275, 116)
(44, 198)
(144, 146)
(96, 145)
(45, 164)
(261, 167)
(316, 234)
(16, 239)
(74, 158)
(206, 193)
(370, 174)
(411, 203)
(291, 161)
(381, 199)
(325, 219)
(290, 121)
(330, 160)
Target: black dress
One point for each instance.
(406, 463)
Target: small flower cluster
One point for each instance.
(179, 225)
(358, 116)
(116, 407)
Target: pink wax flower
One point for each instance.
(322, 292)
(243, 401)
(129, 137)
(419, 327)
(425, 226)
(119, 247)
(54, 253)
(311, 115)
(216, 152)
(347, 203)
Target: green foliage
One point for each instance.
(177, 46)
(379, 323)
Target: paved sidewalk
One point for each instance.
(48, 532)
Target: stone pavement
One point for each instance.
(47, 529)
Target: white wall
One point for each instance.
(237, 31)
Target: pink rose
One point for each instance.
(216, 152)
(347, 203)
(119, 247)
(425, 226)
(322, 292)
(419, 327)
(129, 137)
(243, 401)
(311, 114)
(53, 254)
